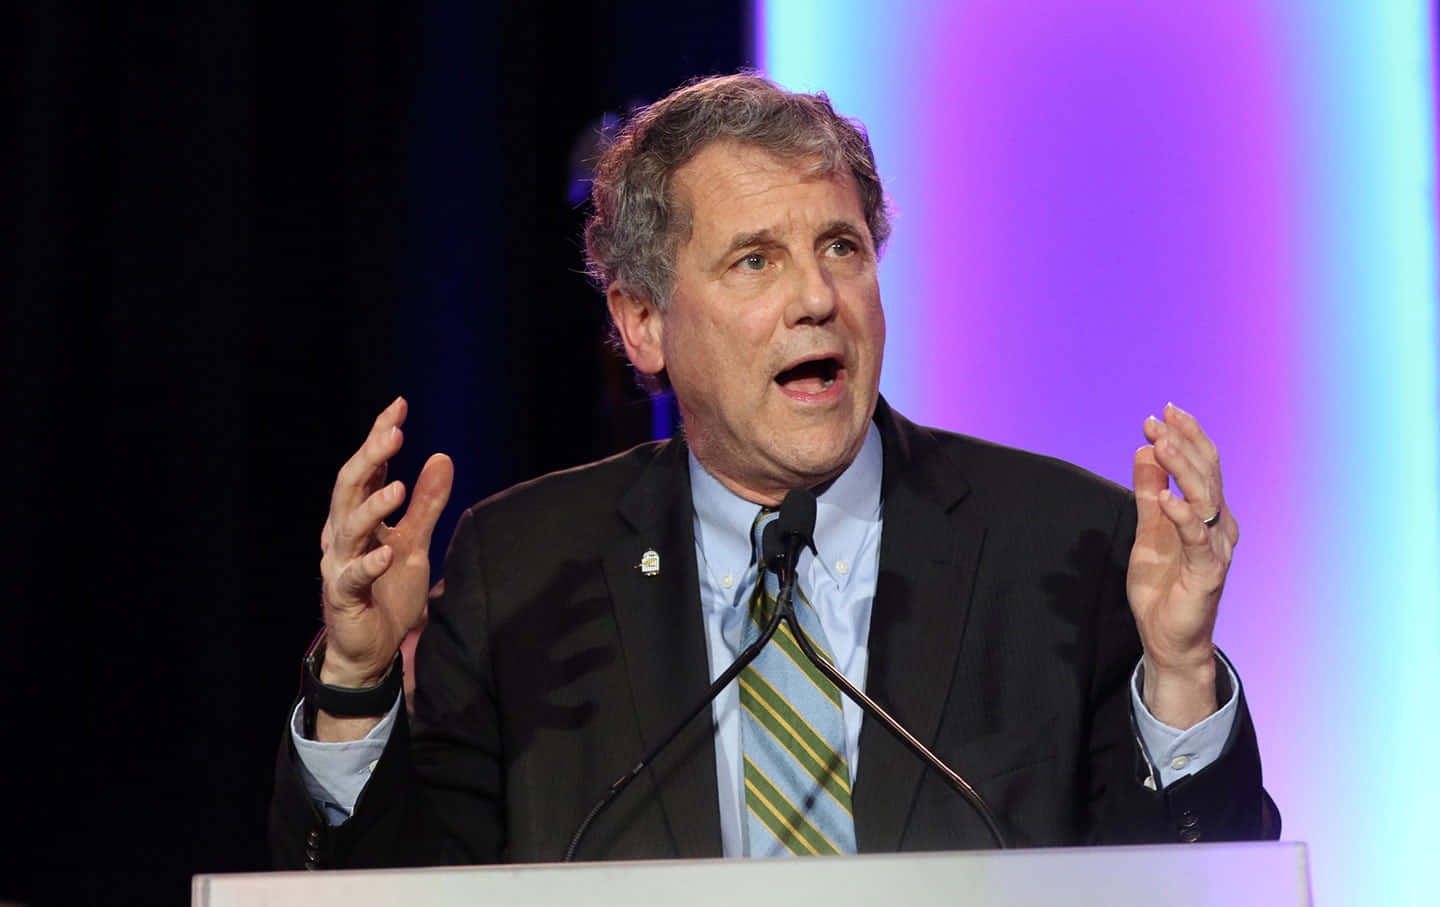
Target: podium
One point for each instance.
(1178, 875)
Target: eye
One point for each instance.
(842, 247)
(753, 262)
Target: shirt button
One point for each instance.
(842, 567)
(727, 581)
(1179, 763)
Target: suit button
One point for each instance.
(312, 856)
(313, 839)
(1190, 835)
(1188, 819)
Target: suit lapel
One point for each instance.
(662, 637)
(929, 557)
(928, 561)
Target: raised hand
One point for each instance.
(1183, 548)
(376, 576)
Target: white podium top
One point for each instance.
(1179, 875)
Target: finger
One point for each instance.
(1206, 552)
(1163, 434)
(1153, 428)
(360, 574)
(432, 493)
(1196, 483)
(365, 470)
(1226, 530)
(359, 526)
(379, 444)
(1150, 477)
(1149, 480)
(1194, 535)
(1189, 426)
(1202, 450)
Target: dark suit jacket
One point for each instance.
(1000, 636)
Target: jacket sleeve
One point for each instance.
(1226, 801)
(435, 795)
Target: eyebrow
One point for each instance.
(766, 237)
(745, 240)
(838, 227)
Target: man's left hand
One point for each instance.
(1178, 566)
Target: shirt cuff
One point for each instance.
(1172, 753)
(336, 773)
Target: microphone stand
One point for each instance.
(787, 612)
(751, 652)
(793, 542)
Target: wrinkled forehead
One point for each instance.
(724, 173)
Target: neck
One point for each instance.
(769, 494)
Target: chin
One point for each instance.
(823, 458)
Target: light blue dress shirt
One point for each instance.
(840, 582)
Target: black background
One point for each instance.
(236, 232)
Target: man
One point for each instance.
(990, 598)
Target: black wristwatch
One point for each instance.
(347, 702)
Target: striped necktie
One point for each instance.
(797, 781)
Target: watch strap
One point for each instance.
(345, 702)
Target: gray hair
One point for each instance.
(637, 226)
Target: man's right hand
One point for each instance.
(375, 576)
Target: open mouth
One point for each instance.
(813, 376)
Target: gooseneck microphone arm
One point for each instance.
(730, 673)
(782, 543)
(796, 527)
(869, 706)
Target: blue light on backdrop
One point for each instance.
(1108, 205)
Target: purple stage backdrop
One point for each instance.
(1108, 205)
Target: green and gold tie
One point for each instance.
(797, 781)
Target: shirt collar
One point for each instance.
(844, 512)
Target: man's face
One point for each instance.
(774, 334)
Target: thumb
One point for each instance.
(431, 494)
(1150, 479)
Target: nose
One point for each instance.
(813, 298)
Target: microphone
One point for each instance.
(795, 526)
(781, 543)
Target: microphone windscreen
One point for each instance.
(772, 549)
(797, 516)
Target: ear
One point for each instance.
(640, 325)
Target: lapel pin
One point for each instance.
(649, 562)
